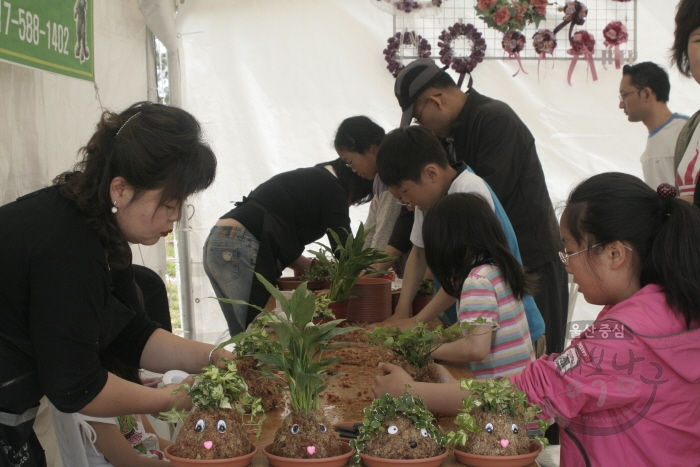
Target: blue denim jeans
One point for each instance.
(229, 261)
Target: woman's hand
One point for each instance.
(392, 382)
(180, 399)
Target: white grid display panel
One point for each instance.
(600, 13)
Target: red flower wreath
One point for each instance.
(544, 42)
(582, 43)
(462, 64)
(513, 43)
(574, 13)
(615, 34)
(394, 43)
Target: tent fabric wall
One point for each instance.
(46, 117)
(272, 79)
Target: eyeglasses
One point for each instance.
(624, 95)
(416, 119)
(564, 257)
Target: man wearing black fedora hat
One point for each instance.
(496, 144)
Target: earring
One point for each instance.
(114, 208)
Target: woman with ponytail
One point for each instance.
(67, 291)
(629, 384)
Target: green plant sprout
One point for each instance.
(298, 351)
(346, 262)
(415, 345)
(497, 396)
(388, 407)
(317, 272)
(217, 388)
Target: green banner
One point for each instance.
(53, 35)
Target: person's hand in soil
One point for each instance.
(400, 323)
(392, 382)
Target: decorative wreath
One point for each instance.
(462, 64)
(582, 43)
(615, 34)
(574, 13)
(511, 15)
(392, 52)
(513, 43)
(544, 42)
(406, 6)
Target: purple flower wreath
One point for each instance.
(544, 42)
(513, 43)
(407, 6)
(392, 52)
(462, 64)
(615, 34)
(582, 43)
(574, 13)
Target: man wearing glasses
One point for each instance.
(644, 92)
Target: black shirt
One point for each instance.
(60, 306)
(499, 148)
(309, 201)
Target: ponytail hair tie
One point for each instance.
(666, 191)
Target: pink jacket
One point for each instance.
(627, 390)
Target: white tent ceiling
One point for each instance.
(270, 80)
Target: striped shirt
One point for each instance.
(485, 294)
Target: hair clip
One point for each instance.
(666, 191)
(126, 123)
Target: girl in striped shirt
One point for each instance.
(467, 251)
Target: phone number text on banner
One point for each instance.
(52, 35)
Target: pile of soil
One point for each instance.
(402, 441)
(270, 391)
(212, 434)
(306, 436)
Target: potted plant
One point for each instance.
(296, 360)
(215, 429)
(256, 340)
(399, 428)
(316, 278)
(347, 262)
(413, 347)
(492, 423)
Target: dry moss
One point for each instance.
(502, 441)
(192, 442)
(408, 442)
(306, 436)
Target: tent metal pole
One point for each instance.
(183, 227)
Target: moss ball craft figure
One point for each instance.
(215, 427)
(493, 420)
(398, 428)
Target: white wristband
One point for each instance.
(211, 354)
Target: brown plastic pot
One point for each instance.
(419, 303)
(336, 461)
(241, 461)
(370, 301)
(291, 283)
(371, 461)
(340, 309)
(522, 460)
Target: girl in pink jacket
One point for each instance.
(627, 390)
